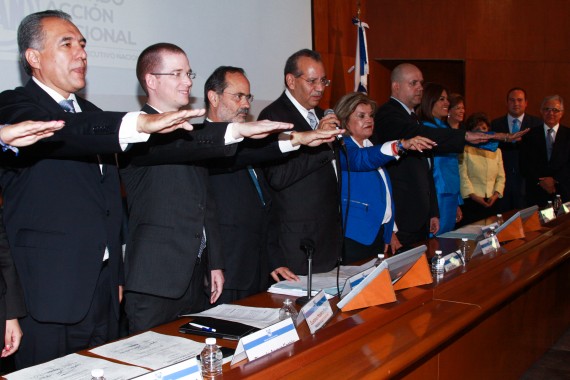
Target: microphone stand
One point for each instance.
(309, 247)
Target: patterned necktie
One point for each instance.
(203, 241)
(414, 117)
(549, 142)
(516, 126)
(67, 105)
(312, 120)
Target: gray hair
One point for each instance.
(31, 34)
(553, 97)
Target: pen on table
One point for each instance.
(202, 327)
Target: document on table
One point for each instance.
(321, 281)
(76, 367)
(151, 350)
(259, 317)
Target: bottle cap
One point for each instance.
(438, 252)
(499, 215)
(98, 372)
(381, 256)
(210, 341)
(464, 239)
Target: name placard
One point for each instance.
(486, 230)
(547, 215)
(452, 261)
(317, 312)
(266, 340)
(486, 246)
(188, 369)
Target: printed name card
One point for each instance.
(547, 215)
(188, 370)
(564, 209)
(317, 312)
(265, 341)
(452, 261)
(486, 246)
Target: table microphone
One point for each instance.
(339, 137)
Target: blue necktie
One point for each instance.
(256, 183)
(549, 142)
(516, 126)
(67, 105)
(312, 120)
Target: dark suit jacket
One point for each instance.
(514, 193)
(60, 212)
(305, 195)
(169, 205)
(412, 180)
(242, 216)
(12, 303)
(535, 164)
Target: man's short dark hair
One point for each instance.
(217, 81)
(516, 89)
(31, 34)
(291, 66)
(150, 60)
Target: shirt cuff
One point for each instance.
(229, 138)
(5, 146)
(128, 133)
(386, 149)
(284, 142)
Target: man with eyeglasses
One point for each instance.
(303, 186)
(413, 187)
(545, 156)
(173, 261)
(516, 119)
(243, 210)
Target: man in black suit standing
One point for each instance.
(173, 242)
(516, 119)
(12, 305)
(240, 191)
(412, 180)
(304, 185)
(62, 204)
(545, 156)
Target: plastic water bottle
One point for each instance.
(493, 236)
(212, 359)
(500, 219)
(438, 264)
(97, 374)
(557, 204)
(464, 251)
(549, 205)
(288, 311)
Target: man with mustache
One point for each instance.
(303, 186)
(240, 192)
(62, 203)
(173, 260)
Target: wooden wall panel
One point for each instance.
(503, 43)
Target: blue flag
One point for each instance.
(361, 63)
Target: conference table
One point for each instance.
(488, 320)
(491, 319)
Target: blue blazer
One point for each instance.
(367, 208)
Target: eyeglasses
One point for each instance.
(553, 110)
(178, 74)
(313, 82)
(241, 96)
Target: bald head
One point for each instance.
(407, 84)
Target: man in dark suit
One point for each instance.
(515, 120)
(62, 205)
(173, 239)
(304, 186)
(243, 211)
(545, 156)
(412, 181)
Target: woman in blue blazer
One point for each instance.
(366, 197)
(433, 112)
